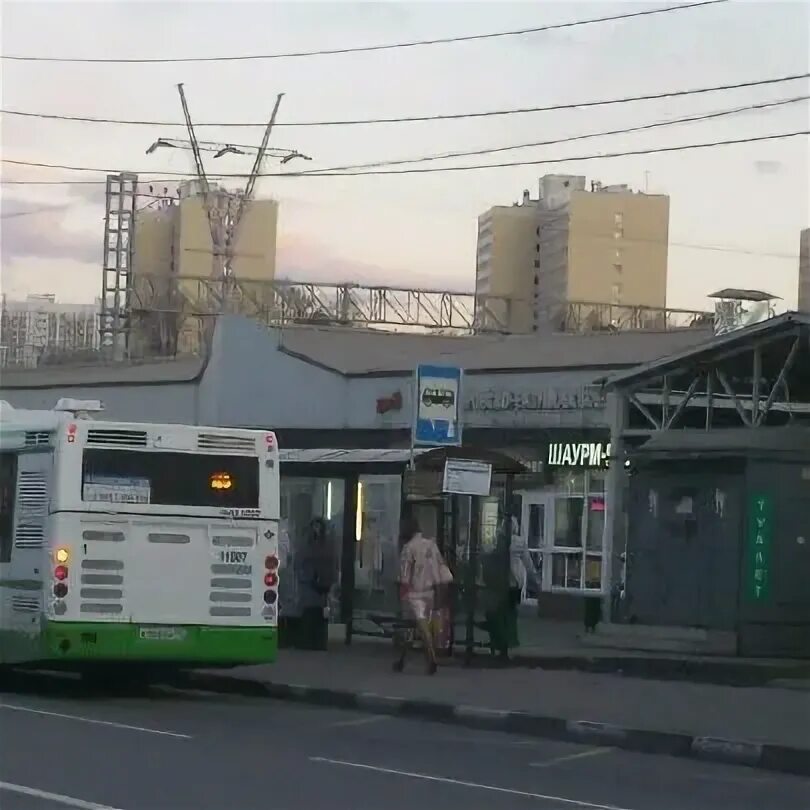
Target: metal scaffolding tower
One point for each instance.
(116, 285)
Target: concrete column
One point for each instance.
(613, 540)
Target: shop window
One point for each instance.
(376, 538)
(593, 572)
(596, 522)
(536, 541)
(568, 522)
(305, 500)
(573, 554)
(566, 570)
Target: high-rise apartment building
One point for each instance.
(172, 241)
(34, 330)
(597, 245)
(804, 271)
(173, 236)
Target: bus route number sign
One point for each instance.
(231, 556)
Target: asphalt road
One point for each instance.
(62, 747)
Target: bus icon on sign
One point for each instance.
(438, 396)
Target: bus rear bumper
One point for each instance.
(184, 644)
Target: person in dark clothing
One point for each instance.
(316, 573)
(505, 569)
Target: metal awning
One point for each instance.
(787, 324)
(344, 456)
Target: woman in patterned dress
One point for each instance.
(420, 573)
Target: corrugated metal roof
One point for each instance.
(743, 295)
(791, 439)
(363, 352)
(350, 456)
(181, 369)
(787, 321)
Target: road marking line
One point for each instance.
(591, 752)
(69, 801)
(92, 721)
(360, 721)
(462, 783)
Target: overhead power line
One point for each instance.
(365, 48)
(568, 139)
(602, 156)
(418, 118)
(165, 176)
(238, 148)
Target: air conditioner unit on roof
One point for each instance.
(79, 407)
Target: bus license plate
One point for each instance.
(162, 633)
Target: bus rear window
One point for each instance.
(170, 479)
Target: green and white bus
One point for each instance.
(135, 543)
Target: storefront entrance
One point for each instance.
(563, 528)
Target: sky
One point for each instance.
(736, 211)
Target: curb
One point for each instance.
(784, 759)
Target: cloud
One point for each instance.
(301, 258)
(93, 193)
(38, 231)
(768, 166)
(70, 281)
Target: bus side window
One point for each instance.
(8, 485)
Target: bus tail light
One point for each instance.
(271, 562)
(60, 574)
(271, 579)
(270, 597)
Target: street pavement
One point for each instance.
(167, 749)
(757, 715)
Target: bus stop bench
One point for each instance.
(389, 624)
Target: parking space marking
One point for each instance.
(591, 752)
(57, 798)
(93, 721)
(463, 783)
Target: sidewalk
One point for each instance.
(769, 727)
(560, 645)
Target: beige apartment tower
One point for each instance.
(596, 245)
(173, 247)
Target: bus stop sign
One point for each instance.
(437, 408)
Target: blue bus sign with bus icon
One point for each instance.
(437, 417)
